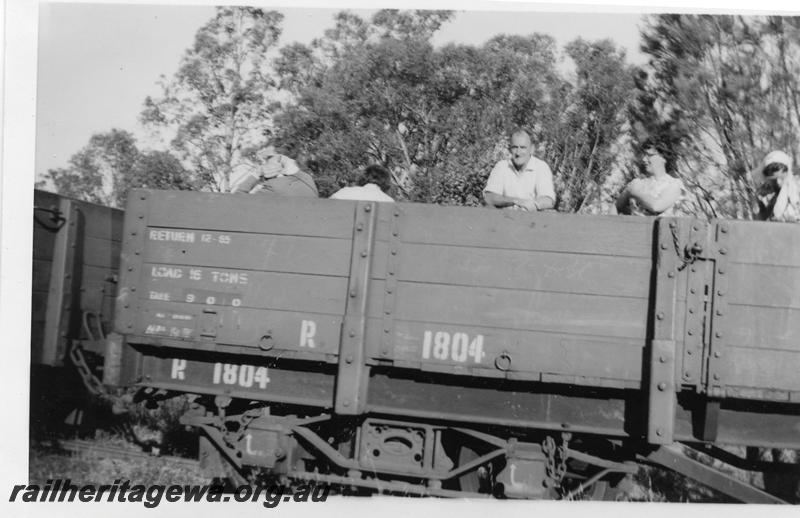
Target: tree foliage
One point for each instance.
(109, 165)
(217, 104)
(722, 91)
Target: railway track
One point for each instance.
(117, 452)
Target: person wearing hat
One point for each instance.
(654, 195)
(778, 189)
(277, 174)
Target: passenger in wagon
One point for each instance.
(654, 195)
(778, 189)
(522, 182)
(276, 174)
(374, 184)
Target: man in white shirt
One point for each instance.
(372, 185)
(523, 182)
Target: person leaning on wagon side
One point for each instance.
(373, 184)
(778, 189)
(521, 182)
(277, 174)
(654, 195)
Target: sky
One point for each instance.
(98, 62)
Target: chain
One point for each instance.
(687, 255)
(556, 457)
(90, 381)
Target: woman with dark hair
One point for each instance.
(654, 195)
(778, 189)
(373, 185)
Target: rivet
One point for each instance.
(133, 233)
(388, 290)
(660, 316)
(352, 293)
(364, 253)
(136, 252)
(717, 354)
(346, 402)
(660, 432)
(691, 310)
(672, 224)
(133, 289)
(352, 333)
(385, 352)
(690, 332)
(143, 198)
(396, 213)
(718, 334)
(689, 352)
(386, 331)
(720, 293)
(716, 376)
(663, 246)
(141, 216)
(349, 359)
(687, 375)
(391, 272)
(662, 386)
(395, 233)
(368, 208)
(126, 306)
(723, 229)
(130, 268)
(694, 269)
(695, 228)
(360, 227)
(394, 252)
(721, 271)
(388, 312)
(692, 290)
(662, 359)
(723, 251)
(671, 274)
(719, 312)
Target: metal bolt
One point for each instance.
(396, 213)
(352, 293)
(719, 313)
(141, 216)
(133, 289)
(394, 252)
(671, 274)
(143, 198)
(364, 253)
(660, 316)
(360, 227)
(352, 333)
(718, 334)
(721, 271)
(346, 402)
(133, 233)
(662, 359)
(368, 208)
(672, 224)
(694, 269)
(723, 251)
(660, 432)
(695, 228)
(687, 375)
(692, 290)
(349, 359)
(691, 310)
(690, 332)
(395, 233)
(720, 293)
(391, 272)
(388, 290)
(130, 268)
(723, 229)
(717, 354)
(716, 376)
(689, 352)
(388, 312)
(663, 246)
(126, 306)
(662, 386)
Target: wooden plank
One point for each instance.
(41, 275)
(43, 243)
(277, 253)
(764, 285)
(303, 331)
(478, 348)
(521, 269)
(767, 243)
(101, 222)
(247, 213)
(491, 228)
(261, 290)
(762, 369)
(516, 309)
(763, 328)
(101, 252)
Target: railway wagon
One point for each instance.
(76, 250)
(420, 349)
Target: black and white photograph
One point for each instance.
(309, 256)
